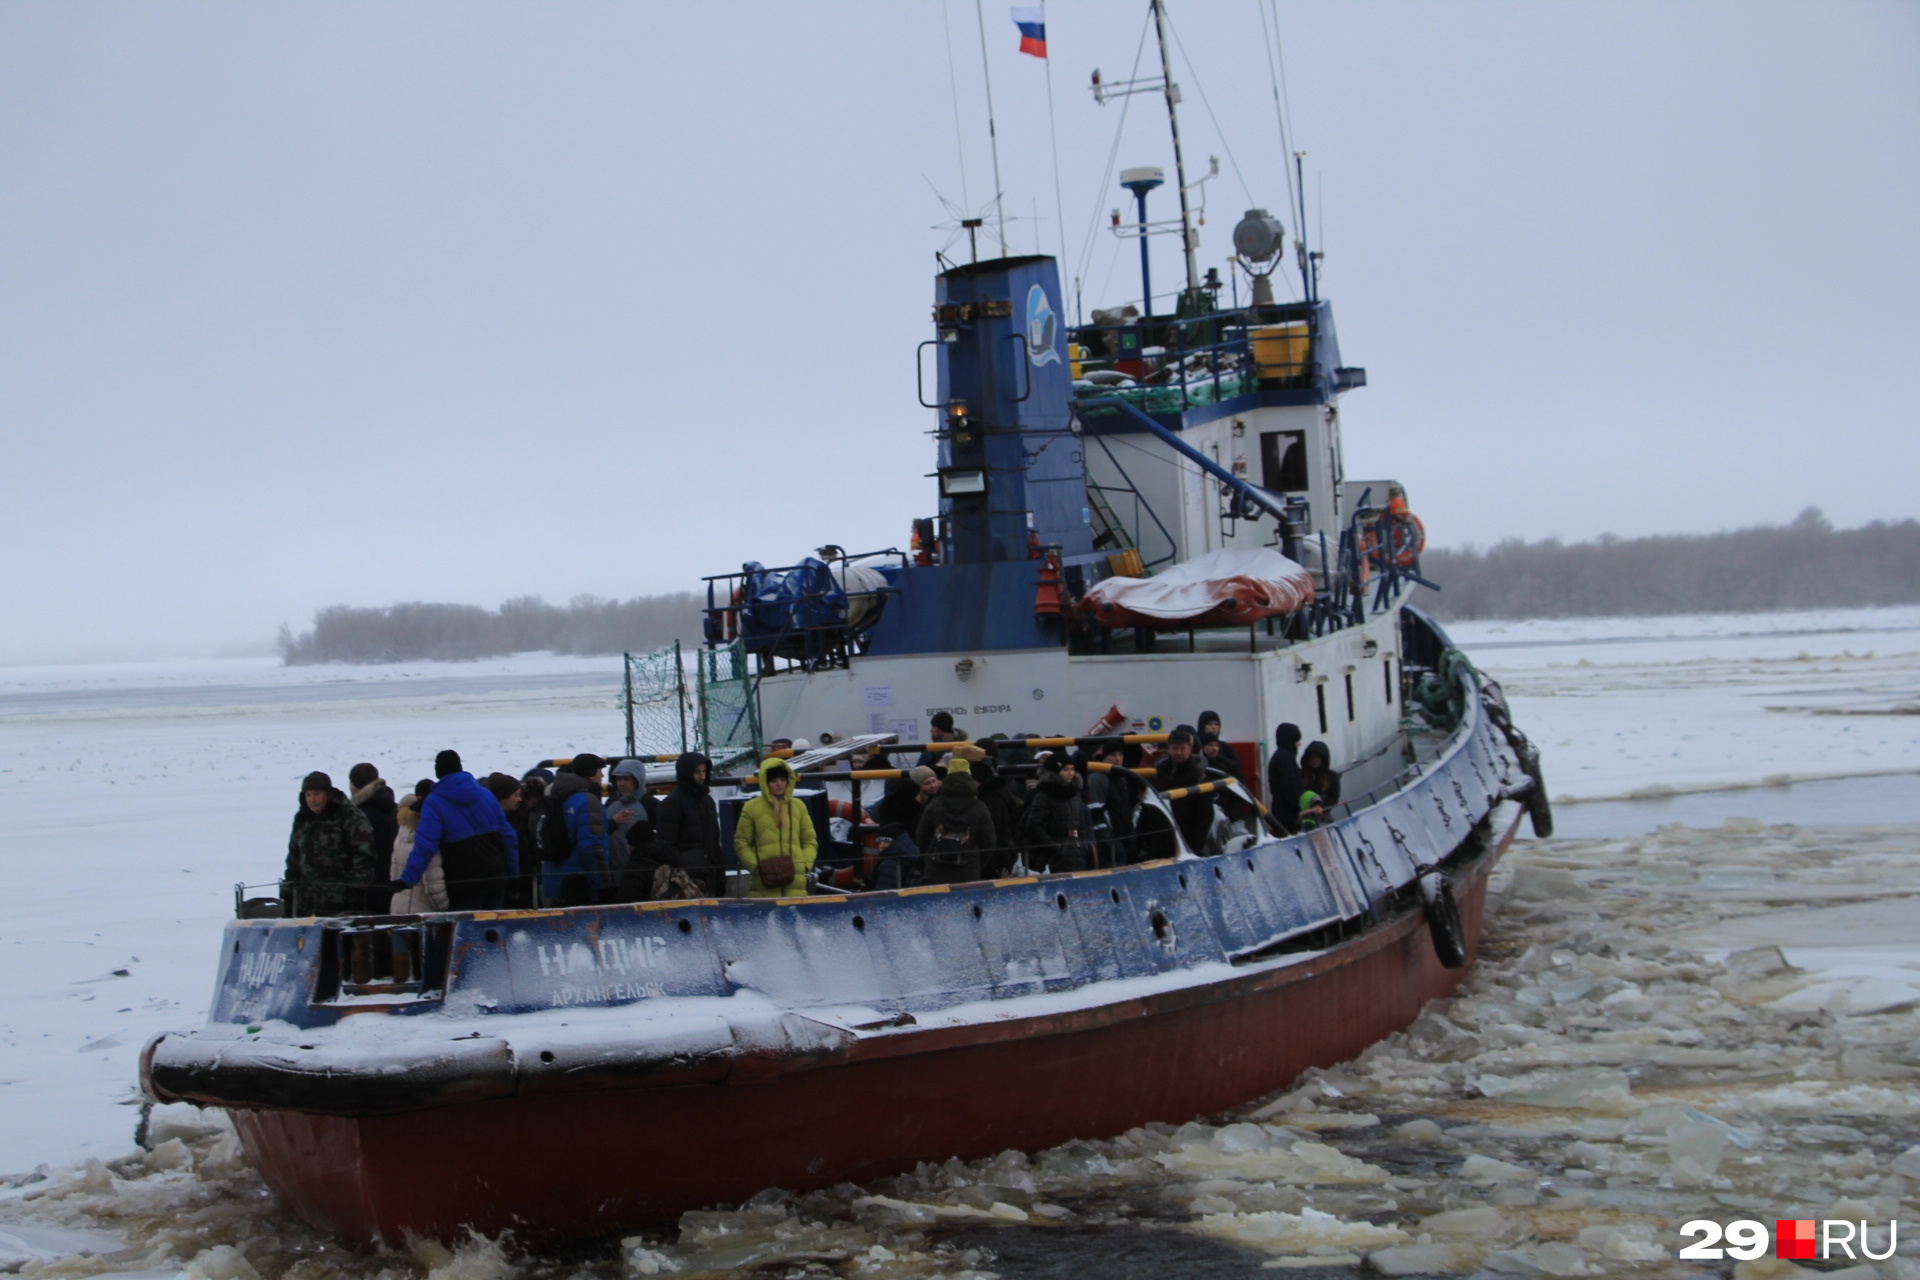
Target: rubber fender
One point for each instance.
(1539, 810)
(1443, 921)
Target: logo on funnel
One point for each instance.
(1040, 327)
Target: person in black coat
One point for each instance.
(1182, 766)
(1119, 791)
(1056, 827)
(907, 798)
(956, 828)
(1283, 777)
(686, 831)
(1218, 755)
(372, 796)
(1318, 775)
(997, 795)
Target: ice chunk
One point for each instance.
(1695, 1150)
(1426, 1259)
(226, 1159)
(641, 1259)
(1238, 1139)
(1573, 989)
(222, 1262)
(1551, 1259)
(1907, 1163)
(1623, 1242)
(1584, 1088)
(21, 1243)
(1427, 1131)
(1544, 884)
(1479, 1168)
(1308, 1232)
(1756, 963)
(171, 1154)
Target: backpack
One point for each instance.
(555, 844)
(950, 845)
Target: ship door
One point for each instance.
(1283, 461)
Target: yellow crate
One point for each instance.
(1281, 351)
(1126, 564)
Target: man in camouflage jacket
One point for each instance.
(330, 853)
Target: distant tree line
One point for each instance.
(1803, 565)
(458, 632)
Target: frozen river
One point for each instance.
(139, 795)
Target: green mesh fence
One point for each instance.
(727, 705)
(655, 696)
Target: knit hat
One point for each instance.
(446, 762)
(920, 773)
(543, 776)
(958, 764)
(943, 721)
(891, 831)
(316, 781)
(1181, 733)
(501, 786)
(361, 774)
(587, 764)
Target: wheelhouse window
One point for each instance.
(1283, 461)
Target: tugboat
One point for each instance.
(1137, 517)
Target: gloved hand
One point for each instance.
(398, 886)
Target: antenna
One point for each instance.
(1179, 161)
(1307, 273)
(993, 137)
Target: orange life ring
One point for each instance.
(1397, 536)
(1406, 555)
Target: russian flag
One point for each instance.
(1033, 30)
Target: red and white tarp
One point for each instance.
(1226, 588)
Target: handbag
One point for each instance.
(776, 872)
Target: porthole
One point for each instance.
(1060, 900)
(1162, 927)
(859, 922)
(1183, 880)
(493, 935)
(1217, 875)
(1249, 864)
(686, 926)
(546, 1055)
(1115, 893)
(976, 911)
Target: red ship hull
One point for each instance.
(573, 1164)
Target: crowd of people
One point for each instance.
(963, 811)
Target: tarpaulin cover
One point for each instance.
(1225, 588)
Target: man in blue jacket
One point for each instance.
(465, 825)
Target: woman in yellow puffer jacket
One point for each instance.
(773, 824)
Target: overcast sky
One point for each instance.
(357, 302)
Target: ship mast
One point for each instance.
(1179, 161)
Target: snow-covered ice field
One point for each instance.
(139, 794)
(1631, 706)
